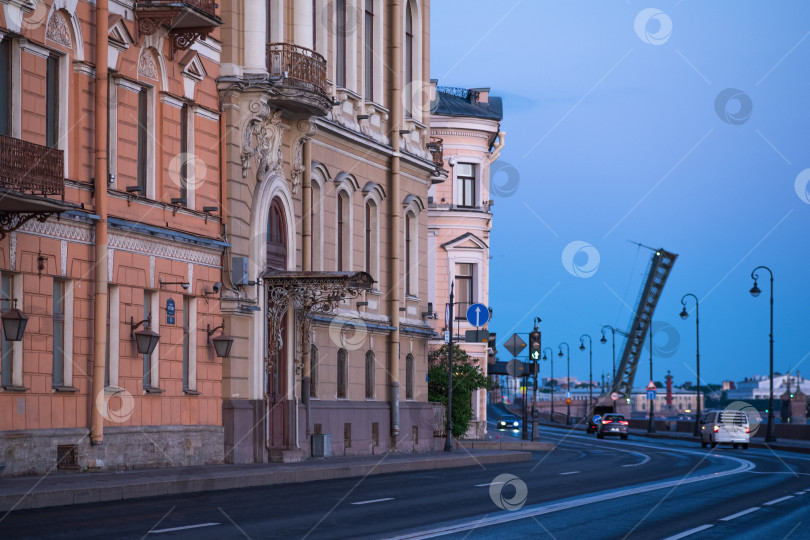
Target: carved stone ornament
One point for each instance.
(58, 30)
(306, 130)
(262, 137)
(146, 65)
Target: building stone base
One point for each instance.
(244, 423)
(34, 452)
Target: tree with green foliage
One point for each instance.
(467, 377)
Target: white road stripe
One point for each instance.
(740, 514)
(684, 534)
(158, 531)
(374, 501)
(489, 484)
(775, 501)
(569, 472)
(800, 493)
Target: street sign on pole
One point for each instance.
(447, 314)
(515, 368)
(477, 315)
(651, 386)
(614, 396)
(650, 395)
(514, 345)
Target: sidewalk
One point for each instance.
(62, 488)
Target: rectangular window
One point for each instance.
(143, 139)
(52, 102)
(340, 54)
(184, 151)
(369, 56)
(464, 288)
(186, 343)
(7, 357)
(58, 333)
(342, 372)
(340, 231)
(408, 220)
(368, 238)
(147, 358)
(465, 184)
(5, 86)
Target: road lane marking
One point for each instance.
(800, 493)
(569, 472)
(534, 511)
(690, 532)
(645, 457)
(740, 514)
(197, 526)
(374, 501)
(776, 501)
(489, 484)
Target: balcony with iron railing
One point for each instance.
(300, 78)
(436, 148)
(31, 177)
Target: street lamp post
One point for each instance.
(684, 316)
(590, 368)
(651, 424)
(769, 437)
(552, 378)
(448, 444)
(567, 383)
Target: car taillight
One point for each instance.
(607, 421)
(747, 430)
(716, 429)
(624, 422)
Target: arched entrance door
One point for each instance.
(277, 374)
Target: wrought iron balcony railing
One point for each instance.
(436, 148)
(207, 6)
(298, 67)
(31, 168)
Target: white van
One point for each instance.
(724, 427)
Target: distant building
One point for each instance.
(683, 401)
(758, 387)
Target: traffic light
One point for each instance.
(534, 345)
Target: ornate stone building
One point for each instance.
(110, 204)
(466, 124)
(327, 174)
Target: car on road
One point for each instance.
(593, 421)
(509, 421)
(612, 424)
(725, 427)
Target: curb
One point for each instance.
(117, 487)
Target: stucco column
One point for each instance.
(306, 226)
(395, 226)
(255, 39)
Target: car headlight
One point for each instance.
(514, 424)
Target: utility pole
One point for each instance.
(448, 444)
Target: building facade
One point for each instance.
(325, 284)
(759, 387)
(118, 125)
(466, 125)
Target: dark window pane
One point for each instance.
(52, 102)
(5, 86)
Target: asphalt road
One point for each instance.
(587, 488)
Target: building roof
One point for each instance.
(460, 102)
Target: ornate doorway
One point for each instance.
(276, 250)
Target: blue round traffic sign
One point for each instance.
(477, 315)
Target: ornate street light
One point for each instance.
(567, 383)
(222, 343)
(145, 339)
(14, 322)
(590, 368)
(684, 316)
(769, 437)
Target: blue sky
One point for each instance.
(616, 134)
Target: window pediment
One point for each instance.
(465, 241)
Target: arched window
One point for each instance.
(410, 255)
(409, 367)
(313, 371)
(370, 368)
(408, 59)
(340, 53)
(276, 237)
(342, 373)
(317, 226)
(371, 237)
(342, 232)
(369, 50)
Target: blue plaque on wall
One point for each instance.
(169, 311)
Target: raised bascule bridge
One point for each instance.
(657, 273)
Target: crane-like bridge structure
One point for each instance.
(657, 274)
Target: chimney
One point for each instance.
(481, 96)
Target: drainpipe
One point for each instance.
(100, 171)
(395, 226)
(306, 210)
